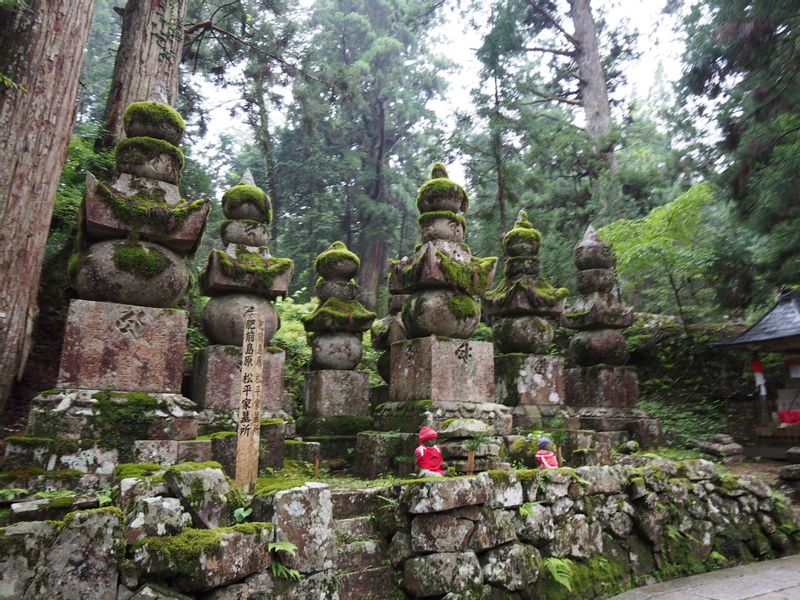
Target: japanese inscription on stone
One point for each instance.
(250, 400)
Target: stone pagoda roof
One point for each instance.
(778, 330)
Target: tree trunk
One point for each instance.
(149, 53)
(593, 85)
(497, 154)
(266, 144)
(42, 51)
(372, 270)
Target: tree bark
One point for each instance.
(261, 125)
(42, 51)
(593, 84)
(149, 53)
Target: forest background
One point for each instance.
(337, 106)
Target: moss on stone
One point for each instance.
(335, 253)
(140, 150)
(469, 277)
(520, 233)
(269, 486)
(248, 194)
(250, 268)
(141, 261)
(136, 470)
(439, 214)
(335, 315)
(54, 445)
(124, 417)
(539, 292)
(463, 307)
(75, 263)
(155, 114)
(146, 210)
(441, 187)
(194, 466)
(272, 422)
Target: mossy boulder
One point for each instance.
(245, 201)
(131, 272)
(155, 120)
(223, 318)
(150, 157)
(440, 312)
(527, 333)
(337, 263)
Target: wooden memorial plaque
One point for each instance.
(249, 432)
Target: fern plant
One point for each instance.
(279, 570)
(561, 570)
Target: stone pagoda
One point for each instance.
(239, 277)
(438, 374)
(122, 359)
(603, 390)
(520, 308)
(333, 388)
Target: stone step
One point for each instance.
(360, 555)
(50, 508)
(171, 452)
(354, 528)
(51, 454)
(355, 503)
(369, 584)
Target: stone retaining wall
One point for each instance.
(563, 534)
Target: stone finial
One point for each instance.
(247, 178)
(439, 171)
(592, 252)
(158, 93)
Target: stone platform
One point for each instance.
(123, 347)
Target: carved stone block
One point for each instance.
(529, 379)
(330, 392)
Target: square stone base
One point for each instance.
(330, 392)
(109, 346)
(430, 368)
(384, 452)
(586, 448)
(217, 379)
(529, 379)
(602, 386)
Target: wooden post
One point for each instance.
(249, 433)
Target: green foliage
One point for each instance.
(279, 570)
(9, 493)
(560, 570)
(240, 514)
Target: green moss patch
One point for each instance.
(146, 210)
(250, 268)
(141, 261)
(194, 466)
(124, 417)
(469, 277)
(463, 307)
(335, 315)
(140, 150)
(155, 114)
(248, 194)
(337, 252)
(539, 292)
(136, 470)
(439, 187)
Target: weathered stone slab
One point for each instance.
(24, 544)
(586, 448)
(217, 556)
(437, 495)
(111, 346)
(304, 517)
(577, 538)
(331, 392)
(534, 524)
(217, 379)
(167, 230)
(496, 527)
(513, 567)
(646, 430)
(171, 452)
(602, 386)
(411, 416)
(151, 591)
(369, 584)
(503, 489)
(82, 562)
(156, 516)
(383, 452)
(54, 454)
(204, 492)
(319, 586)
(430, 368)
(529, 379)
(353, 503)
(437, 574)
(440, 532)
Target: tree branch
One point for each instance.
(554, 22)
(570, 53)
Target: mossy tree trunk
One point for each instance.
(41, 52)
(149, 54)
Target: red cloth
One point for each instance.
(546, 459)
(791, 417)
(427, 433)
(429, 458)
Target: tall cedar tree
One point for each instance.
(40, 61)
